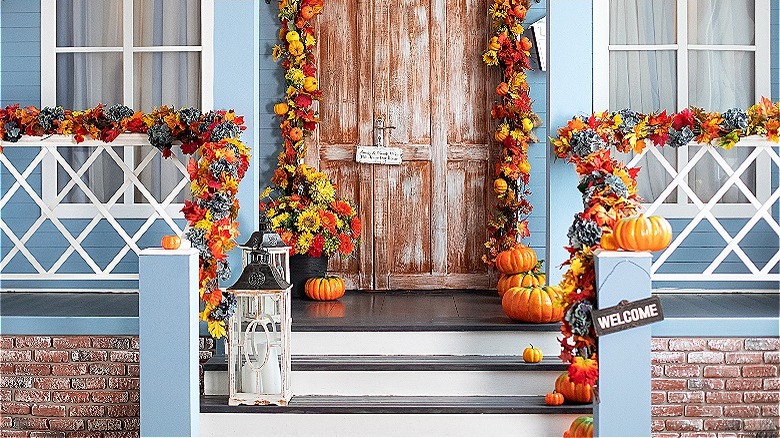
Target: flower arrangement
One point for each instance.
(307, 212)
(221, 164)
(509, 50)
(609, 193)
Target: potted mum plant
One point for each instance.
(311, 219)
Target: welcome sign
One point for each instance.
(627, 315)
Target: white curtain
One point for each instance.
(646, 81)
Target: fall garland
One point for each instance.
(609, 193)
(509, 50)
(223, 160)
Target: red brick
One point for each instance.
(770, 411)
(87, 411)
(667, 411)
(6, 368)
(766, 344)
(759, 371)
(121, 434)
(89, 356)
(48, 410)
(88, 383)
(762, 397)
(657, 397)
(668, 384)
(662, 357)
(32, 396)
(771, 384)
(722, 424)
(46, 434)
(124, 356)
(685, 397)
(72, 342)
(133, 370)
(724, 397)
(29, 423)
(135, 343)
(5, 395)
(743, 384)
(69, 369)
(115, 411)
(680, 425)
(85, 434)
(702, 435)
(14, 433)
(135, 396)
(6, 423)
(104, 424)
(51, 356)
(657, 425)
(110, 397)
(760, 424)
(656, 344)
(70, 397)
(721, 371)
(124, 383)
(744, 357)
(132, 423)
(772, 357)
(15, 355)
(32, 369)
(14, 408)
(682, 371)
(112, 343)
(706, 384)
(107, 369)
(742, 411)
(33, 342)
(66, 424)
(703, 411)
(687, 344)
(51, 383)
(6, 343)
(656, 370)
(725, 344)
(705, 357)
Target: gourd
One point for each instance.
(494, 44)
(523, 279)
(324, 288)
(553, 399)
(307, 12)
(171, 242)
(310, 84)
(500, 186)
(296, 134)
(538, 304)
(516, 260)
(281, 108)
(573, 392)
(581, 427)
(502, 89)
(532, 354)
(642, 233)
(608, 242)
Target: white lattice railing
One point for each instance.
(679, 200)
(132, 200)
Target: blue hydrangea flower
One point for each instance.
(579, 318)
(208, 119)
(197, 238)
(48, 115)
(583, 232)
(225, 130)
(680, 138)
(226, 307)
(160, 136)
(221, 166)
(189, 115)
(118, 112)
(630, 119)
(735, 118)
(583, 143)
(12, 132)
(223, 270)
(219, 205)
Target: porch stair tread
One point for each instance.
(325, 404)
(406, 363)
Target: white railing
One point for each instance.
(132, 200)
(679, 200)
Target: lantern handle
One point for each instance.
(262, 319)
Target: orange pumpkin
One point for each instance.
(501, 135)
(171, 242)
(296, 134)
(295, 47)
(573, 392)
(502, 89)
(500, 186)
(642, 233)
(532, 354)
(553, 399)
(520, 11)
(525, 43)
(608, 242)
(524, 279)
(581, 427)
(538, 304)
(516, 260)
(324, 288)
(281, 108)
(494, 44)
(307, 12)
(310, 84)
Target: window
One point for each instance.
(140, 53)
(652, 55)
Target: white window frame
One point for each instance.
(127, 207)
(683, 208)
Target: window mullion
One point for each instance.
(127, 86)
(682, 86)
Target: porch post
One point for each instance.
(168, 331)
(569, 93)
(624, 357)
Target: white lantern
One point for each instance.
(259, 335)
(267, 239)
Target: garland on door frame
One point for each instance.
(307, 212)
(509, 50)
(223, 160)
(609, 193)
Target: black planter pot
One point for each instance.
(302, 268)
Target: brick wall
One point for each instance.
(82, 385)
(715, 386)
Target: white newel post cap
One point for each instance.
(168, 252)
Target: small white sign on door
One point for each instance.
(379, 155)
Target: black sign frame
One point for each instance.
(638, 319)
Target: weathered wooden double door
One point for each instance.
(417, 66)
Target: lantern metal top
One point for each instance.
(264, 238)
(260, 276)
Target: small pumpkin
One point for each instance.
(573, 392)
(523, 279)
(292, 36)
(581, 427)
(296, 134)
(520, 11)
(553, 399)
(295, 47)
(171, 242)
(500, 186)
(608, 242)
(516, 260)
(525, 43)
(281, 108)
(501, 135)
(307, 12)
(528, 125)
(532, 354)
(324, 288)
(494, 44)
(642, 233)
(310, 84)
(502, 89)
(538, 304)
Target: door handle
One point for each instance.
(379, 132)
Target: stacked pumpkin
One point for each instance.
(638, 233)
(581, 427)
(524, 296)
(324, 288)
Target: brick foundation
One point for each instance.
(715, 386)
(72, 385)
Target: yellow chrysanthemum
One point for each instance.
(309, 220)
(295, 76)
(490, 57)
(277, 221)
(304, 242)
(323, 192)
(310, 41)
